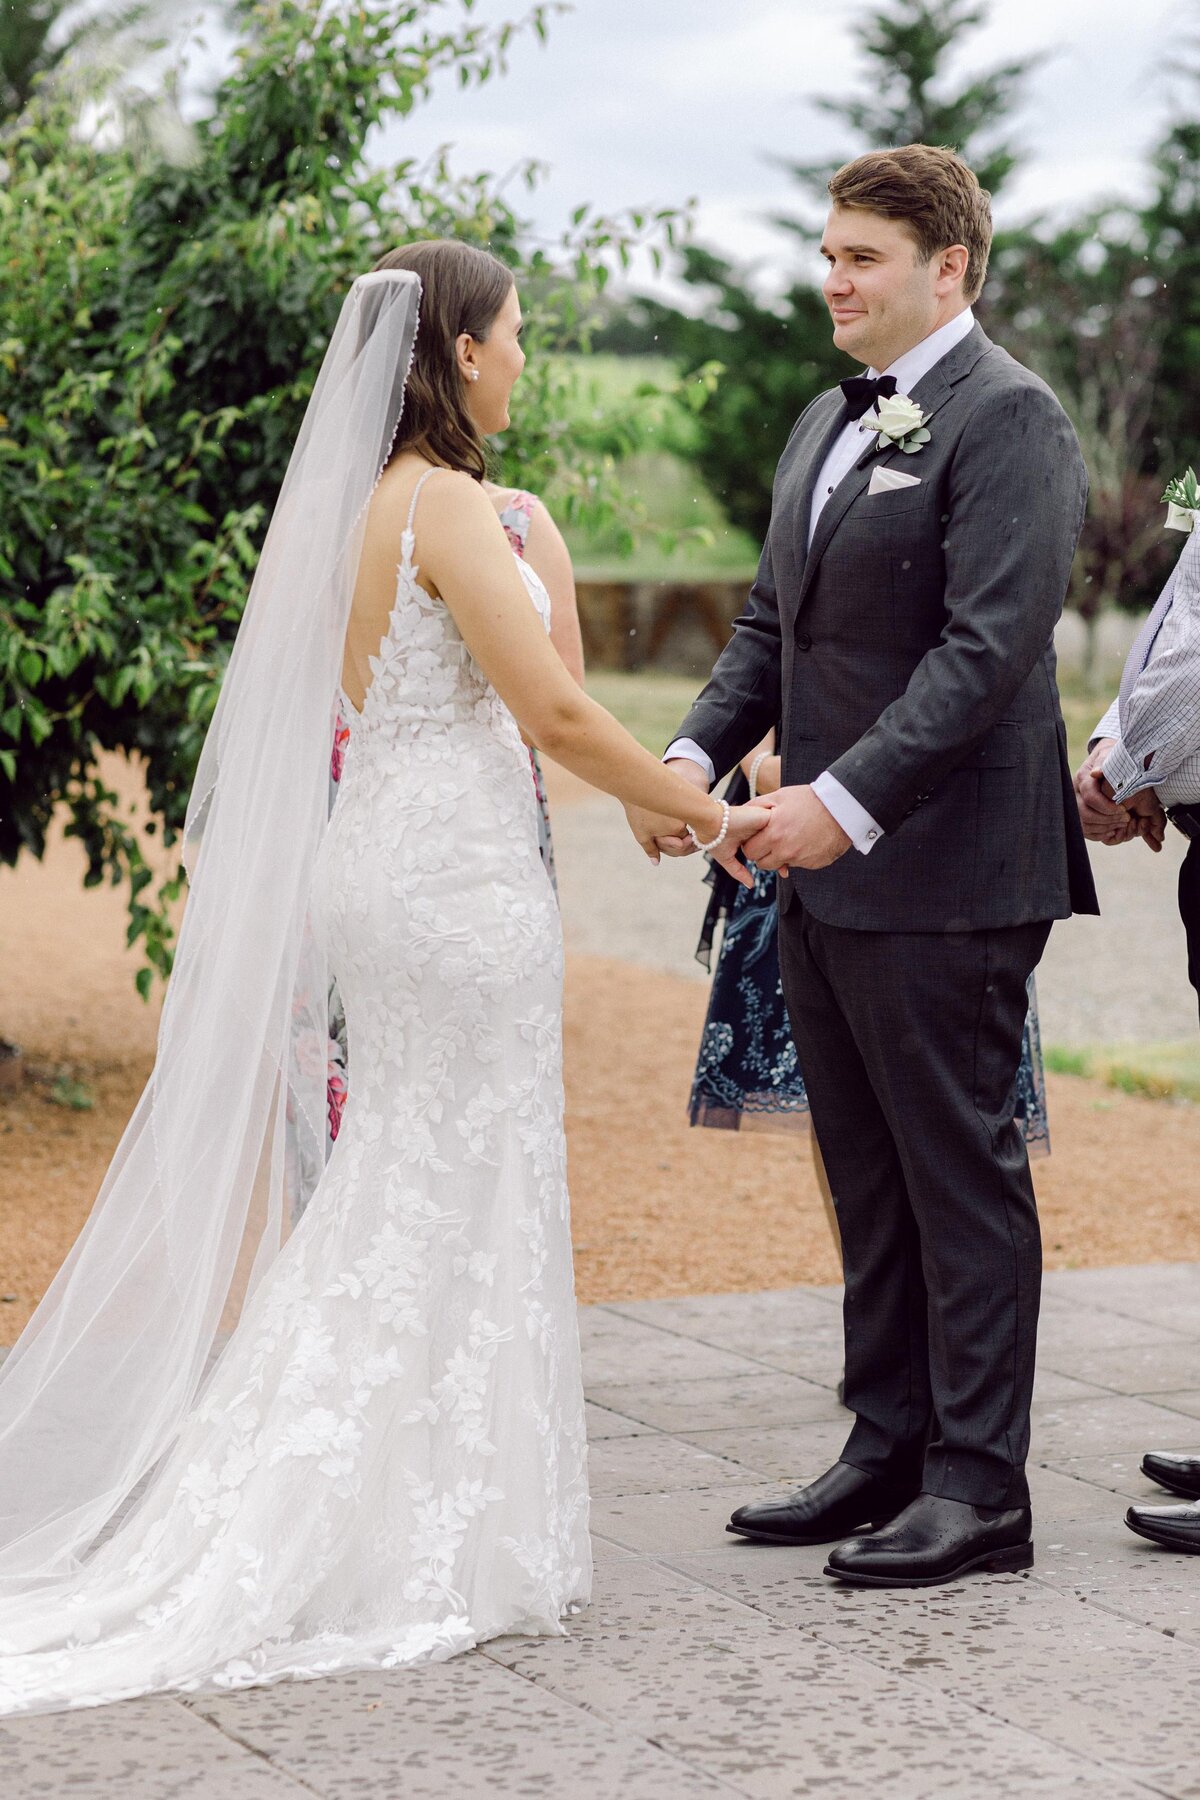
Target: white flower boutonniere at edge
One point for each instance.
(1182, 499)
(899, 422)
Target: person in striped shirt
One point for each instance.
(1143, 772)
(1143, 766)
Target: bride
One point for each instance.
(230, 1454)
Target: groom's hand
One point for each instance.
(801, 833)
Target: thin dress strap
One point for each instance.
(412, 510)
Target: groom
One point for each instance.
(901, 628)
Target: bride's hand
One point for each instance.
(744, 822)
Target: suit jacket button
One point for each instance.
(803, 641)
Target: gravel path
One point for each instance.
(1121, 978)
(658, 1209)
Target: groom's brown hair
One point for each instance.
(932, 191)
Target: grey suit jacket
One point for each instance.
(910, 652)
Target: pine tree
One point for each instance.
(908, 99)
(39, 39)
(778, 356)
(1171, 260)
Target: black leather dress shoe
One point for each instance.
(843, 1499)
(936, 1540)
(1178, 1474)
(1178, 1527)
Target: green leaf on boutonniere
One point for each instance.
(900, 423)
(912, 443)
(1182, 500)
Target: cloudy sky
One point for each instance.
(656, 101)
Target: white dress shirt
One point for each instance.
(862, 830)
(1160, 745)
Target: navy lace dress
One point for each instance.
(747, 1075)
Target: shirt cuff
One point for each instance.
(1124, 774)
(854, 819)
(691, 752)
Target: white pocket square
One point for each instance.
(886, 481)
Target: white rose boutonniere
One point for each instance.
(899, 422)
(1182, 498)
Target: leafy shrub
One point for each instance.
(164, 326)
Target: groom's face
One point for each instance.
(881, 296)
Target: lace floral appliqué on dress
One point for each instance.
(388, 1461)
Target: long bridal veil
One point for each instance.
(197, 1198)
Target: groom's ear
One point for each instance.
(950, 270)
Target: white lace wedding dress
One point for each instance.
(388, 1463)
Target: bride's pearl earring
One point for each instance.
(474, 374)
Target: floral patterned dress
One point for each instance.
(747, 1073)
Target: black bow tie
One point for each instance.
(862, 391)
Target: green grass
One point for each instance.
(649, 699)
(1158, 1071)
(650, 706)
(610, 382)
(672, 498)
(71, 1094)
(668, 494)
(1083, 708)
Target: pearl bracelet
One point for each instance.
(755, 766)
(721, 835)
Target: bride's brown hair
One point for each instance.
(462, 289)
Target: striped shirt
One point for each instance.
(1160, 746)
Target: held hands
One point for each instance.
(790, 829)
(744, 822)
(800, 832)
(1106, 821)
(1103, 821)
(658, 835)
(1148, 818)
(661, 836)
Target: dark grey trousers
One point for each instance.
(909, 1044)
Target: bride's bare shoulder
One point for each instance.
(454, 500)
(393, 496)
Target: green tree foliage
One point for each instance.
(1171, 259)
(773, 361)
(777, 357)
(163, 329)
(1076, 303)
(41, 39)
(907, 99)
(1107, 308)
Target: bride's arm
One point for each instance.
(462, 549)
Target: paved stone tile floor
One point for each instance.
(710, 1667)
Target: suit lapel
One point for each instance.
(931, 394)
(827, 426)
